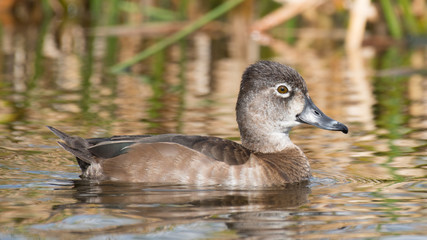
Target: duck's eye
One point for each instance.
(282, 89)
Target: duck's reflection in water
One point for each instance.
(158, 206)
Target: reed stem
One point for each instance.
(215, 13)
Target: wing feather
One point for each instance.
(219, 149)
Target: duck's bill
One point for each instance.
(312, 115)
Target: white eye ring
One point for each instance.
(282, 90)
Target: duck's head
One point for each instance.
(273, 98)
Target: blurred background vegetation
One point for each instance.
(380, 23)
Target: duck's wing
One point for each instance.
(215, 148)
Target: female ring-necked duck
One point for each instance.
(273, 98)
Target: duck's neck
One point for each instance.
(262, 139)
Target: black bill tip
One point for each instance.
(341, 127)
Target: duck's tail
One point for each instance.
(76, 146)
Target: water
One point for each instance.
(368, 184)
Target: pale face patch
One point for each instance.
(289, 109)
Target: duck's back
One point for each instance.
(216, 148)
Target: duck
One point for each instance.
(273, 98)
